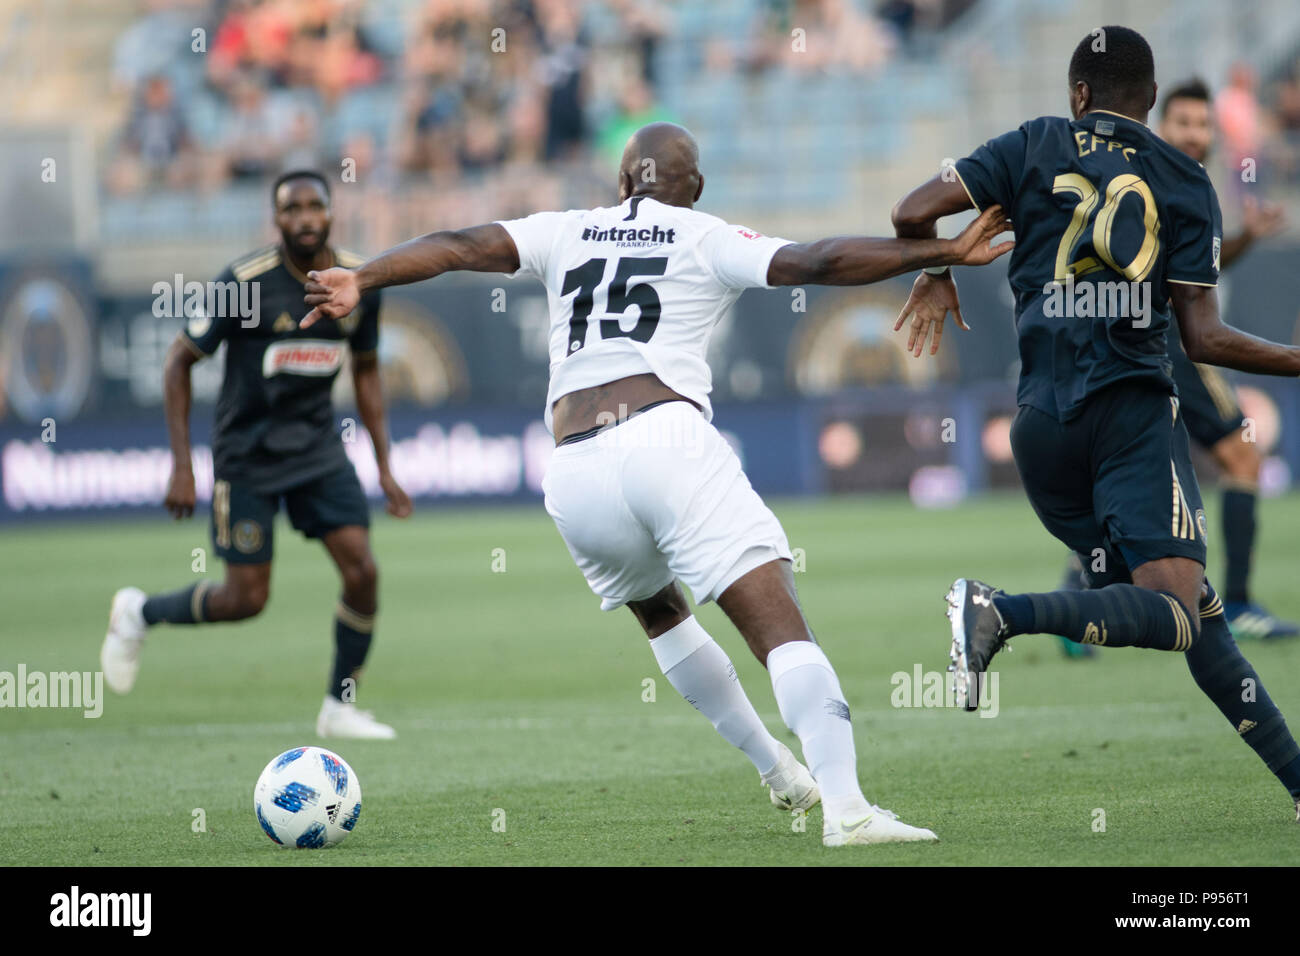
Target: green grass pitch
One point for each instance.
(511, 691)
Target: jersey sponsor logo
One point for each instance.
(302, 357)
(749, 233)
(639, 236)
(1215, 249)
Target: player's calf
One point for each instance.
(703, 674)
(1152, 612)
(763, 605)
(1229, 680)
(243, 594)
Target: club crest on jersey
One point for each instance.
(284, 323)
(302, 357)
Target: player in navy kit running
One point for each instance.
(1206, 399)
(1113, 227)
(275, 440)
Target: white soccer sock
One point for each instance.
(812, 705)
(702, 673)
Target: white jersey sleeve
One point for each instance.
(739, 257)
(534, 237)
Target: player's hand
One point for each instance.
(180, 493)
(1261, 220)
(931, 299)
(399, 502)
(332, 294)
(974, 247)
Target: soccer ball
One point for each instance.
(307, 797)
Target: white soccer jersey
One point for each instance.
(637, 288)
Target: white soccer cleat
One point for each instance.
(345, 720)
(119, 658)
(792, 786)
(873, 825)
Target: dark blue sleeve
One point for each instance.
(1197, 236)
(365, 339)
(992, 173)
(204, 333)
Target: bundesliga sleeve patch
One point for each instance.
(302, 357)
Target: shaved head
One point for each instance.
(662, 161)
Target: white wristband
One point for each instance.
(936, 270)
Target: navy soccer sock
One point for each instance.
(353, 632)
(186, 606)
(1228, 679)
(1119, 615)
(1238, 542)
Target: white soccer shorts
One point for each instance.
(658, 497)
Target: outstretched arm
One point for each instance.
(915, 215)
(334, 293)
(1206, 339)
(858, 260)
(932, 296)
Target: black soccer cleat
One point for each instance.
(978, 632)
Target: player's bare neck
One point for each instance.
(299, 266)
(1137, 116)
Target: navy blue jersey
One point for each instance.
(274, 421)
(1106, 214)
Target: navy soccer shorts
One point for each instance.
(243, 517)
(1118, 477)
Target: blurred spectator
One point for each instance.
(256, 134)
(155, 41)
(643, 24)
(255, 34)
(1288, 119)
(155, 149)
(302, 149)
(813, 35)
(1238, 114)
(561, 72)
(636, 107)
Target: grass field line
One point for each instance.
(576, 721)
